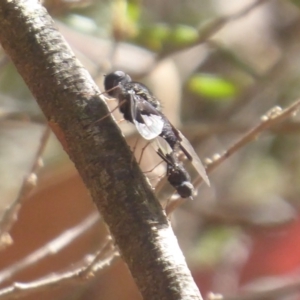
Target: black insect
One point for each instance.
(136, 103)
(177, 176)
(140, 107)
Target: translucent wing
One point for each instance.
(162, 156)
(163, 146)
(195, 160)
(152, 124)
(151, 128)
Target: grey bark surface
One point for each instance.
(71, 103)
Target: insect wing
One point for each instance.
(163, 146)
(153, 123)
(151, 128)
(160, 153)
(196, 162)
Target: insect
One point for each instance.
(177, 176)
(136, 103)
(140, 107)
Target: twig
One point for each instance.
(28, 184)
(107, 247)
(272, 118)
(52, 247)
(234, 58)
(274, 76)
(278, 292)
(213, 27)
(17, 289)
(198, 131)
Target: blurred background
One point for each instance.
(217, 66)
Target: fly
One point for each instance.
(140, 107)
(177, 176)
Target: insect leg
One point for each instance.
(142, 152)
(151, 170)
(134, 148)
(98, 121)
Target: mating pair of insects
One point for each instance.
(140, 107)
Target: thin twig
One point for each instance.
(233, 58)
(52, 247)
(213, 27)
(197, 132)
(269, 120)
(28, 185)
(272, 118)
(106, 248)
(273, 293)
(204, 34)
(17, 289)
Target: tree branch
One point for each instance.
(52, 247)
(71, 103)
(75, 276)
(214, 26)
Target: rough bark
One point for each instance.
(71, 103)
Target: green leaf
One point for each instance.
(153, 36)
(183, 34)
(133, 10)
(160, 31)
(211, 86)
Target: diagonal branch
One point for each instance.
(51, 248)
(72, 104)
(75, 276)
(214, 26)
(272, 118)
